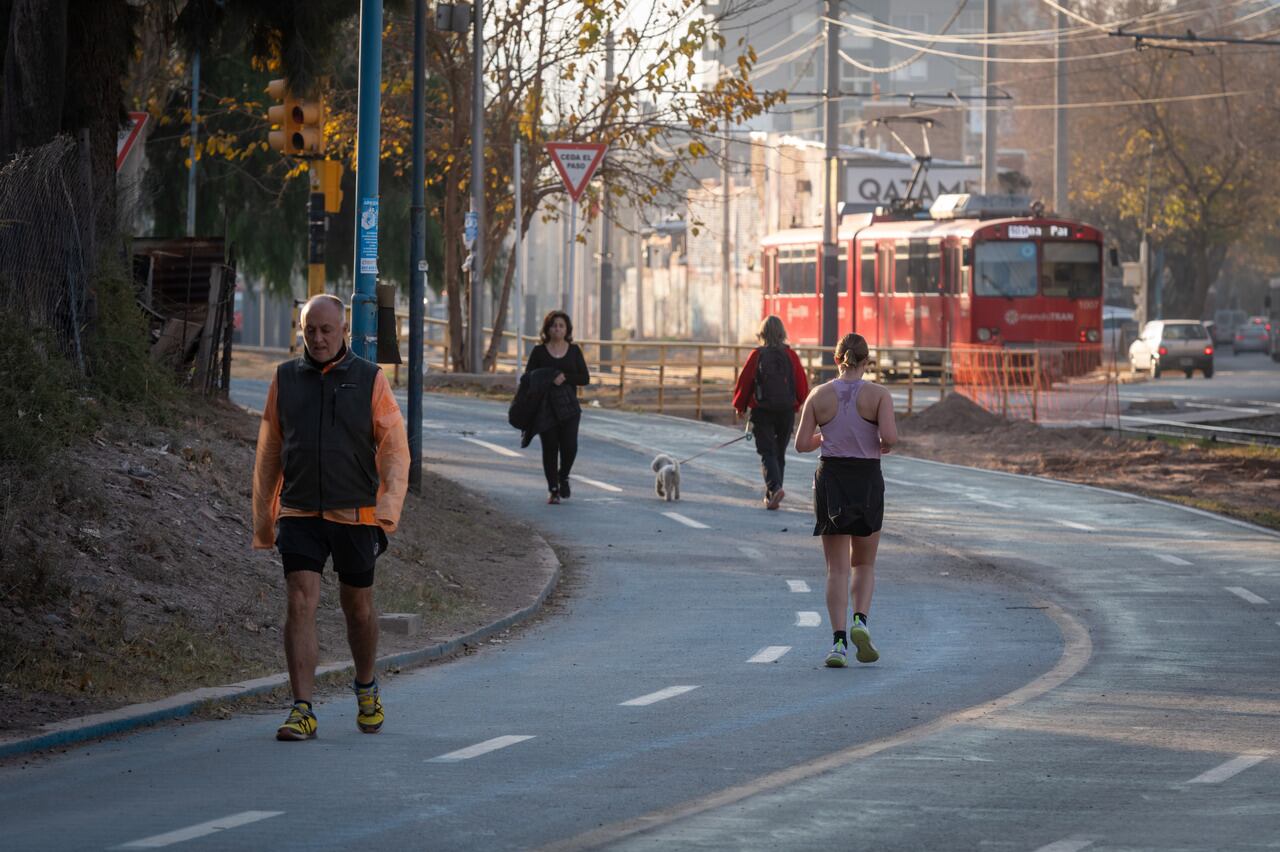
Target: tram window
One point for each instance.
(952, 283)
(842, 269)
(901, 267)
(933, 282)
(868, 271)
(797, 271)
(1071, 271)
(1005, 269)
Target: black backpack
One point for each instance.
(775, 380)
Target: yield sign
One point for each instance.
(576, 162)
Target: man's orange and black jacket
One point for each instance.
(332, 444)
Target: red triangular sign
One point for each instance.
(576, 162)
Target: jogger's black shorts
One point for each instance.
(305, 544)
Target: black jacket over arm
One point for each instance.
(563, 397)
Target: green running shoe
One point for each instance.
(860, 636)
(838, 656)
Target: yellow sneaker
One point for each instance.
(368, 709)
(301, 724)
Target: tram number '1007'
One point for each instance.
(1022, 232)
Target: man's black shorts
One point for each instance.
(305, 544)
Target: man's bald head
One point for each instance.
(324, 327)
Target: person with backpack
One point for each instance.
(772, 387)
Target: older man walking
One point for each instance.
(329, 480)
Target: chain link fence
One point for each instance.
(46, 243)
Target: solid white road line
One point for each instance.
(655, 697)
(1246, 594)
(480, 748)
(1232, 767)
(808, 619)
(688, 522)
(201, 830)
(595, 483)
(1076, 526)
(770, 654)
(978, 498)
(901, 482)
(799, 586)
(1172, 560)
(502, 451)
(1070, 844)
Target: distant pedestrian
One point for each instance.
(852, 421)
(558, 427)
(772, 385)
(330, 477)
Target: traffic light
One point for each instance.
(300, 122)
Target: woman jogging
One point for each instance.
(772, 385)
(852, 421)
(558, 352)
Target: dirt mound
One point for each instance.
(955, 415)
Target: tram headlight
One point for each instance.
(1093, 335)
(984, 334)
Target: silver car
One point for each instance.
(1173, 345)
(1252, 336)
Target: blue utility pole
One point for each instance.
(364, 302)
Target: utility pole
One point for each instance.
(364, 301)
(475, 344)
(195, 134)
(518, 180)
(1144, 251)
(990, 181)
(830, 188)
(417, 245)
(1061, 165)
(726, 294)
(606, 238)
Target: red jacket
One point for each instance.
(744, 396)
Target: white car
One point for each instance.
(1173, 345)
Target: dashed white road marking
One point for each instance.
(1070, 844)
(770, 654)
(750, 552)
(808, 618)
(203, 829)
(500, 450)
(978, 498)
(688, 522)
(655, 697)
(1249, 596)
(1232, 767)
(595, 483)
(480, 748)
(1076, 526)
(1172, 560)
(798, 586)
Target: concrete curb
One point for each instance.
(123, 719)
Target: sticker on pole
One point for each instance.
(470, 228)
(368, 239)
(576, 162)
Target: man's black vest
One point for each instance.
(330, 459)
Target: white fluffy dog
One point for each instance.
(666, 480)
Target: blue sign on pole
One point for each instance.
(471, 227)
(368, 236)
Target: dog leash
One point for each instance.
(743, 436)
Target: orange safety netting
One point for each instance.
(1047, 383)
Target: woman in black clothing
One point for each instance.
(560, 443)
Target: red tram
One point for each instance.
(979, 269)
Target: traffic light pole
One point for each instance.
(417, 246)
(475, 345)
(364, 301)
(830, 192)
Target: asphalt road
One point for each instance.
(1062, 668)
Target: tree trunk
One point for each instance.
(500, 321)
(35, 64)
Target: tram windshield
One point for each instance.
(1072, 270)
(1005, 269)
